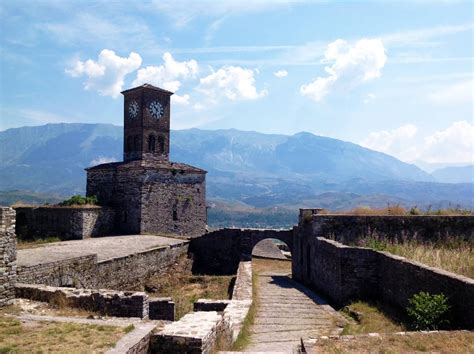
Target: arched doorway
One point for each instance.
(272, 256)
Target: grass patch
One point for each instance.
(36, 243)
(34, 337)
(185, 288)
(454, 254)
(368, 318)
(443, 342)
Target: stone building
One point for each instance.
(149, 193)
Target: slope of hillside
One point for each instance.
(461, 174)
(259, 170)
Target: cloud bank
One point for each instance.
(352, 65)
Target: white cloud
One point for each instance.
(455, 144)
(369, 98)
(460, 92)
(231, 82)
(177, 99)
(351, 66)
(166, 75)
(102, 159)
(280, 73)
(107, 74)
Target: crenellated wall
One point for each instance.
(7, 256)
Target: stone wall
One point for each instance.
(66, 223)
(220, 252)
(105, 302)
(124, 273)
(160, 198)
(346, 273)
(349, 228)
(7, 255)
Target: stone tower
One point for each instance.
(146, 123)
(148, 193)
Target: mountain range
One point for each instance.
(245, 169)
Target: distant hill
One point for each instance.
(254, 169)
(458, 174)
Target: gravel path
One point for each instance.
(287, 312)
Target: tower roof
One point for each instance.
(149, 87)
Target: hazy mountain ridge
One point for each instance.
(454, 174)
(259, 170)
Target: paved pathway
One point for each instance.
(287, 312)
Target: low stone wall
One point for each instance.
(161, 308)
(220, 252)
(8, 272)
(66, 223)
(346, 273)
(349, 228)
(105, 302)
(131, 271)
(196, 332)
(124, 273)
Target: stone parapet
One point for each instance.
(8, 271)
(105, 302)
(161, 308)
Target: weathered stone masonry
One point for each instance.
(123, 273)
(7, 256)
(66, 223)
(345, 273)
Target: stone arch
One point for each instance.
(129, 143)
(136, 143)
(249, 238)
(151, 143)
(272, 249)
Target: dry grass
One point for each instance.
(260, 265)
(35, 337)
(36, 243)
(368, 319)
(185, 288)
(397, 209)
(454, 255)
(443, 342)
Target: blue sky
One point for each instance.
(393, 76)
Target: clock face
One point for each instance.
(133, 108)
(156, 109)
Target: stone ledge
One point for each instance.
(106, 302)
(211, 305)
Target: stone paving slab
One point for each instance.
(105, 248)
(288, 312)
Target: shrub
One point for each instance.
(428, 312)
(80, 200)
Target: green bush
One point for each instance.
(80, 200)
(428, 312)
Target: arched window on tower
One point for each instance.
(161, 144)
(136, 143)
(129, 143)
(151, 143)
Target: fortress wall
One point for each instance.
(346, 273)
(66, 223)
(8, 271)
(349, 228)
(130, 272)
(125, 273)
(219, 252)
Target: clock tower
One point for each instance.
(146, 117)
